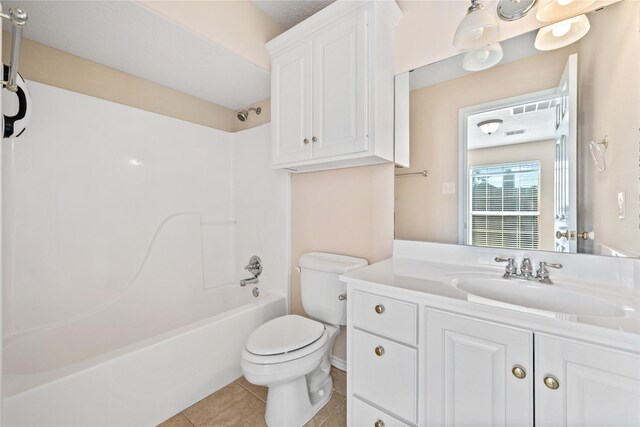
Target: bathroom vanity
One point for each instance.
(436, 336)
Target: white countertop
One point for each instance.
(415, 278)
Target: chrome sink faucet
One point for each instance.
(526, 270)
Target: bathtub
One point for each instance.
(117, 370)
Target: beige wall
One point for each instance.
(434, 139)
(609, 98)
(57, 68)
(345, 211)
(544, 152)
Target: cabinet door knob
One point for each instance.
(519, 372)
(378, 423)
(306, 140)
(379, 350)
(379, 308)
(551, 382)
(314, 139)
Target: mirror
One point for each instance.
(540, 151)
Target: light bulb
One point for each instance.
(561, 29)
(482, 55)
(564, 2)
(476, 33)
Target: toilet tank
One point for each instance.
(320, 287)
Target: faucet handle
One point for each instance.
(510, 269)
(542, 274)
(552, 265)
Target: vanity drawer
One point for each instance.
(367, 416)
(385, 373)
(386, 316)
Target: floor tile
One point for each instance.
(177, 421)
(339, 381)
(338, 418)
(230, 406)
(257, 390)
(333, 405)
(255, 420)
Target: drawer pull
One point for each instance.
(379, 350)
(551, 382)
(379, 308)
(519, 372)
(306, 140)
(378, 423)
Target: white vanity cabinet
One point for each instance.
(596, 385)
(418, 361)
(477, 372)
(332, 88)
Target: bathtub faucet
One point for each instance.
(245, 282)
(255, 268)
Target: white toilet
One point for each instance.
(291, 354)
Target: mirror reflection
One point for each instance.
(537, 151)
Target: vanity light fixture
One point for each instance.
(562, 33)
(489, 126)
(512, 10)
(478, 28)
(483, 58)
(553, 10)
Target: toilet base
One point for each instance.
(292, 404)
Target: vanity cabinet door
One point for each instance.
(579, 384)
(291, 109)
(477, 373)
(340, 88)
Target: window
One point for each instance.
(504, 202)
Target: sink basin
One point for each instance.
(532, 294)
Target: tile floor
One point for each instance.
(242, 404)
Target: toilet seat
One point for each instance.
(283, 339)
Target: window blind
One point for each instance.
(504, 202)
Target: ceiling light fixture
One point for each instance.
(478, 28)
(489, 126)
(483, 58)
(562, 33)
(553, 10)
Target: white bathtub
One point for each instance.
(112, 371)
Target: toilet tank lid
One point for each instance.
(330, 263)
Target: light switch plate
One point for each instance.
(448, 188)
(621, 206)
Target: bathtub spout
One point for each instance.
(245, 282)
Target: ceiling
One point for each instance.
(132, 38)
(538, 125)
(290, 13)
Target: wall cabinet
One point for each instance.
(332, 88)
(463, 370)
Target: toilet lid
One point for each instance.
(284, 334)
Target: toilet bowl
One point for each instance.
(297, 371)
(291, 355)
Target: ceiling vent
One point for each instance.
(515, 132)
(535, 106)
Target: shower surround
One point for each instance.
(125, 235)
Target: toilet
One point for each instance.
(292, 354)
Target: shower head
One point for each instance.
(244, 114)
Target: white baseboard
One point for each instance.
(338, 363)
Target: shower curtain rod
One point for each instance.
(18, 18)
